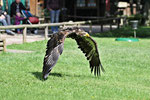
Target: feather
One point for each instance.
(54, 50)
(89, 47)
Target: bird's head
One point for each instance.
(86, 34)
(67, 31)
(82, 33)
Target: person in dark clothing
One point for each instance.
(54, 7)
(16, 6)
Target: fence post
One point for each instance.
(46, 32)
(4, 45)
(110, 26)
(25, 35)
(90, 30)
(118, 24)
(102, 28)
(0, 36)
(78, 25)
(124, 21)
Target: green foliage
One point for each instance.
(126, 78)
(46, 12)
(138, 17)
(142, 32)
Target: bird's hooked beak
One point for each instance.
(87, 35)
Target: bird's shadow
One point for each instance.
(38, 75)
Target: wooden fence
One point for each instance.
(2, 45)
(103, 20)
(46, 26)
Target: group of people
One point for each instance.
(53, 6)
(5, 19)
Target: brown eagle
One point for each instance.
(55, 48)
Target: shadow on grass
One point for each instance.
(38, 75)
(56, 74)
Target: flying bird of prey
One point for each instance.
(87, 45)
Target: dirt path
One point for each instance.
(18, 51)
(17, 39)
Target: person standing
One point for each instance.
(54, 7)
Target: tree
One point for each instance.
(146, 12)
(131, 6)
(138, 8)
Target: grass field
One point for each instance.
(127, 74)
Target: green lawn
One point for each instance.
(127, 74)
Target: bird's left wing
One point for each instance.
(89, 48)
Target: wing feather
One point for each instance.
(54, 50)
(89, 47)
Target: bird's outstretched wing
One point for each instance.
(86, 44)
(89, 48)
(54, 50)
